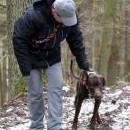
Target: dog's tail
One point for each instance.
(71, 69)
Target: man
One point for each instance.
(36, 40)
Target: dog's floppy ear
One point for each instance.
(85, 75)
(103, 81)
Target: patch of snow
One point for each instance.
(127, 88)
(114, 111)
(66, 88)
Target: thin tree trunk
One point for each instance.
(106, 37)
(97, 32)
(9, 74)
(127, 38)
(116, 59)
(1, 85)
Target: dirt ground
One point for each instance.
(114, 111)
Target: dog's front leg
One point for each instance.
(98, 118)
(78, 103)
(95, 116)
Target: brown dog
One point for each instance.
(89, 85)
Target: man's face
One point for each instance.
(56, 15)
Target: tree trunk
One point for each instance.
(107, 37)
(127, 38)
(9, 70)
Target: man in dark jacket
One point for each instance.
(36, 40)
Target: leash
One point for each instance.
(36, 43)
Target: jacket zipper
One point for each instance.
(55, 36)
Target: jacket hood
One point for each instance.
(37, 2)
(44, 6)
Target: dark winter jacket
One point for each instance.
(30, 39)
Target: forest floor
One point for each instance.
(114, 110)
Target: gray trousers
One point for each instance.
(36, 98)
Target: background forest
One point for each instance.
(106, 30)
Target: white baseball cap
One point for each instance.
(67, 11)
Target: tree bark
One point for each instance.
(107, 37)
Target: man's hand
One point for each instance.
(90, 70)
